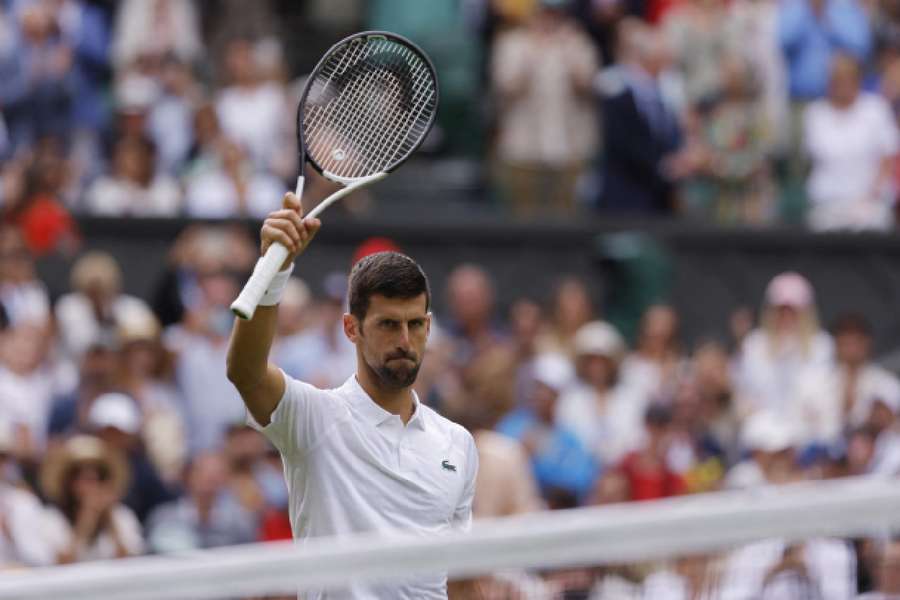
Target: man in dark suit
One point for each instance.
(642, 136)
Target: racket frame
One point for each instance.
(265, 270)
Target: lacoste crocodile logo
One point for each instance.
(446, 464)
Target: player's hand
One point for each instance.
(288, 227)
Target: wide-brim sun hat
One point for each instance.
(77, 450)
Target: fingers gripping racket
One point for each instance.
(365, 109)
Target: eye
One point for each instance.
(389, 324)
(417, 323)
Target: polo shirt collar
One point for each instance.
(375, 414)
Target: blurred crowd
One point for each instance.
(741, 112)
(120, 435)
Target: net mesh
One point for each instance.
(368, 106)
(819, 541)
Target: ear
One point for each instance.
(351, 327)
(427, 325)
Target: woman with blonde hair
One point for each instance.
(787, 348)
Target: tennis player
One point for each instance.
(367, 456)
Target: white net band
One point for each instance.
(609, 535)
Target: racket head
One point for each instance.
(367, 106)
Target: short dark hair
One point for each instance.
(852, 323)
(388, 274)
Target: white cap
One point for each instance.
(553, 370)
(115, 410)
(599, 338)
(767, 431)
(790, 289)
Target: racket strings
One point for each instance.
(370, 104)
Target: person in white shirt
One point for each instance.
(852, 140)
(367, 456)
(788, 347)
(605, 412)
(842, 398)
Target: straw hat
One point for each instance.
(77, 450)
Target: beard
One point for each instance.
(397, 374)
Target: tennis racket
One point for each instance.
(365, 109)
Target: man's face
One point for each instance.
(391, 338)
(852, 347)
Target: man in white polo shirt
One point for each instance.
(366, 456)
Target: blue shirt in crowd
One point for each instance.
(810, 40)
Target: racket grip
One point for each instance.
(259, 281)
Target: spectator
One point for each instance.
(572, 308)
(116, 420)
(156, 28)
(887, 573)
(774, 569)
(199, 344)
(251, 110)
(770, 442)
(701, 36)
(842, 398)
(733, 184)
(505, 485)
(21, 515)
(170, 122)
(882, 425)
(657, 363)
(255, 483)
(37, 93)
(27, 386)
(23, 296)
(96, 305)
(133, 188)
(646, 469)
(323, 356)
(602, 409)
(788, 347)
(853, 142)
(562, 466)
(470, 295)
(97, 370)
(541, 74)
(231, 187)
(85, 480)
(641, 133)
(207, 515)
(811, 33)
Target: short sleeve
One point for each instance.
(300, 417)
(462, 515)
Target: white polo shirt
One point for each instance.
(353, 467)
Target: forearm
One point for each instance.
(248, 353)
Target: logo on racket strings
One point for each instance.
(338, 154)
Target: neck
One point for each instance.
(395, 401)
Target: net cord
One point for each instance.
(614, 534)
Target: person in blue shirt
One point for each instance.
(811, 32)
(564, 469)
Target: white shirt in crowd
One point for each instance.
(847, 147)
(830, 565)
(609, 428)
(26, 398)
(77, 320)
(353, 467)
(111, 196)
(26, 302)
(548, 123)
(213, 195)
(21, 545)
(818, 415)
(254, 117)
(60, 534)
(771, 380)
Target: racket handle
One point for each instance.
(259, 281)
(263, 273)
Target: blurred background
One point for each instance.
(659, 235)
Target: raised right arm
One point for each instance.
(259, 382)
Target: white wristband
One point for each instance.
(276, 288)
